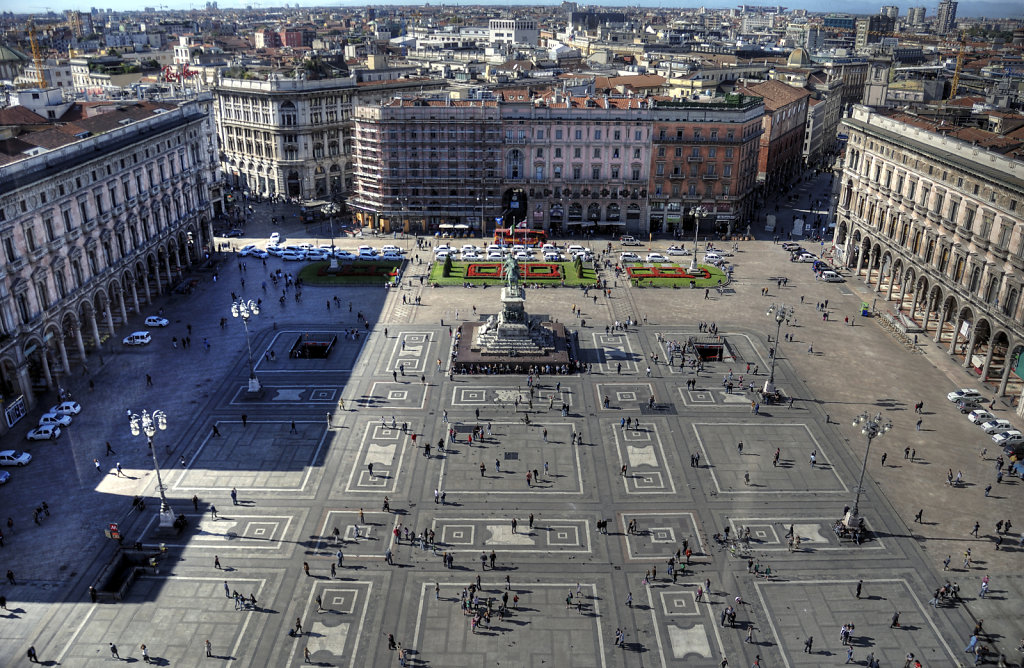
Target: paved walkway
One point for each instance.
(296, 484)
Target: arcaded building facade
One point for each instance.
(934, 225)
(94, 230)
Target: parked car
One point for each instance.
(804, 257)
(676, 250)
(997, 426)
(831, 277)
(293, 255)
(1010, 437)
(395, 257)
(316, 255)
(495, 255)
(235, 232)
(967, 405)
(45, 432)
(791, 246)
(957, 395)
(66, 408)
(656, 257)
(629, 257)
(275, 250)
(157, 321)
(137, 339)
(259, 253)
(244, 251)
(711, 257)
(552, 256)
(575, 248)
(980, 415)
(344, 255)
(275, 238)
(55, 418)
(630, 241)
(14, 458)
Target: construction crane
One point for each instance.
(959, 66)
(37, 56)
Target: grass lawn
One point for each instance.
(716, 275)
(310, 274)
(458, 275)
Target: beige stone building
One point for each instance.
(933, 224)
(97, 219)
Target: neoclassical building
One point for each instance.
(934, 224)
(97, 218)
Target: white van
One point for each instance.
(831, 277)
(711, 256)
(137, 339)
(629, 241)
(390, 250)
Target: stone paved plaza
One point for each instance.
(304, 466)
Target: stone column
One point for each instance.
(110, 319)
(167, 265)
(63, 350)
(927, 315)
(860, 260)
(913, 305)
(971, 341)
(1006, 375)
(156, 278)
(903, 295)
(95, 329)
(145, 288)
(80, 344)
(46, 368)
(943, 314)
(892, 284)
(988, 360)
(956, 335)
(135, 302)
(25, 383)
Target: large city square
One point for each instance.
(314, 500)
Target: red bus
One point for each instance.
(507, 236)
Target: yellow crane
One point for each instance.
(37, 57)
(956, 73)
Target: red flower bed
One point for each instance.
(529, 271)
(642, 272)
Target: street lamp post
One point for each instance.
(697, 212)
(245, 309)
(781, 313)
(148, 424)
(872, 427)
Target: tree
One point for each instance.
(446, 270)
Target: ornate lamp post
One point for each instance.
(781, 313)
(872, 427)
(148, 424)
(698, 212)
(246, 309)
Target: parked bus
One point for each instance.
(507, 236)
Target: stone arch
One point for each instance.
(37, 366)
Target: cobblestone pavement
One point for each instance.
(302, 466)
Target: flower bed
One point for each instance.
(644, 272)
(529, 271)
(359, 269)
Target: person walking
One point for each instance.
(209, 648)
(113, 652)
(145, 653)
(808, 644)
(234, 496)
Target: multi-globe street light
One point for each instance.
(872, 428)
(148, 423)
(245, 309)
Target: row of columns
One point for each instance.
(943, 318)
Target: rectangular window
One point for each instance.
(558, 152)
(659, 169)
(540, 134)
(636, 174)
(577, 152)
(595, 173)
(539, 173)
(615, 171)
(636, 154)
(597, 135)
(558, 134)
(579, 134)
(558, 171)
(618, 135)
(638, 135)
(597, 154)
(712, 152)
(576, 173)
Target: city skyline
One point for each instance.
(966, 9)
